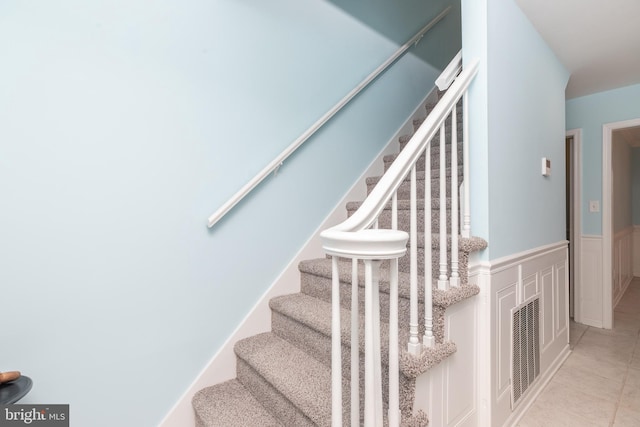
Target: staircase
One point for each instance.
(284, 376)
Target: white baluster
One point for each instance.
(355, 346)
(394, 211)
(371, 395)
(377, 360)
(466, 226)
(443, 282)
(394, 365)
(455, 276)
(336, 347)
(428, 339)
(414, 346)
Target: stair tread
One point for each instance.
(307, 383)
(388, 158)
(322, 267)
(316, 314)
(420, 175)
(230, 404)
(297, 306)
(404, 204)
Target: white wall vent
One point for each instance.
(525, 348)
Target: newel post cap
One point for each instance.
(365, 244)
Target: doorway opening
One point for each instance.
(608, 218)
(573, 170)
(569, 213)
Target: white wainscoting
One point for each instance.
(622, 263)
(505, 283)
(636, 251)
(588, 295)
(447, 392)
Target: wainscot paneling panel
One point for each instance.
(509, 282)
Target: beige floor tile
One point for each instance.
(560, 396)
(604, 368)
(542, 415)
(626, 323)
(630, 398)
(599, 383)
(635, 359)
(576, 330)
(609, 337)
(604, 345)
(582, 379)
(627, 418)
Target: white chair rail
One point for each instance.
(359, 239)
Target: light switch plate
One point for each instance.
(546, 167)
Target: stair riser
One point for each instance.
(404, 264)
(435, 160)
(404, 191)
(435, 143)
(404, 220)
(277, 404)
(320, 287)
(459, 121)
(318, 345)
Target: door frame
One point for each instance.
(576, 165)
(607, 217)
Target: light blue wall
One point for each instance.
(474, 42)
(590, 113)
(635, 185)
(123, 126)
(399, 24)
(519, 209)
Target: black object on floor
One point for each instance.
(15, 390)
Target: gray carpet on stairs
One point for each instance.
(229, 404)
(284, 376)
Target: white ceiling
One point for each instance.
(598, 41)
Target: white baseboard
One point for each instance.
(222, 366)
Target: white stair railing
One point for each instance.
(359, 238)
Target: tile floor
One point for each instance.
(599, 383)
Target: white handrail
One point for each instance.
(449, 74)
(397, 172)
(278, 161)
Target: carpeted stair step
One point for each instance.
(418, 122)
(404, 214)
(305, 321)
(230, 404)
(404, 140)
(435, 159)
(292, 385)
(405, 188)
(465, 245)
(316, 282)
